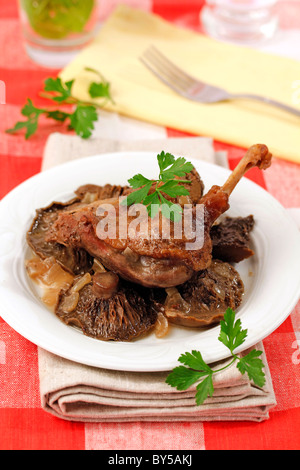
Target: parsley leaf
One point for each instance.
(253, 366)
(173, 189)
(62, 90)
(178, 168)
(152, 202)
(167, 184)
(81, 118)
(165, 160)
(195, 368)
(204, 389)
(100, 89)
(137, 181)
(139, 195)
(29, 126)
(231, 335)
(32, 113)
(169, 210)
(183, 378)
(58, 115)
(195, 361)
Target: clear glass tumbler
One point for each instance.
(241, 21)
(55, 30)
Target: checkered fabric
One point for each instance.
(23, 424)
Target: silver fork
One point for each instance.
(193, 89)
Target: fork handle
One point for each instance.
(283, 106)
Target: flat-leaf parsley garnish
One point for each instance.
(152, 193)
(196, 370)
(81, 118)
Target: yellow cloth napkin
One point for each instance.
(137, 93)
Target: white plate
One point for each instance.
(271, 291)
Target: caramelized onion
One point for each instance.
(56, 277)
(50, 297)
(35, 268)
(161, 328)
(98, 267)
(50, 276)
(175, 301)
(48, 272)
(89, 197)
(81, 282)
(70, 302)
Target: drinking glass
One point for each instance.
(55, 30)
(240, 20)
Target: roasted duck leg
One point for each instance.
(157, 262)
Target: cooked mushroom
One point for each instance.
(105, 285)
(92, 192)
(75, 260)
(107, 310)
(203, 300)
(231, 239)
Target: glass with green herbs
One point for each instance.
(55, 30)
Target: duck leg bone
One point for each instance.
(216, 200)
(257, 155)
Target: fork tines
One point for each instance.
(166, 70)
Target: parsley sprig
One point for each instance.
(196, 370)
(152, 193)
(81, 118)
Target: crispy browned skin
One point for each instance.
(159, 262)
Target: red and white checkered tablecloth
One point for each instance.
(23, 424)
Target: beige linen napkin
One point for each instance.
(77, 392)
(61, 148)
